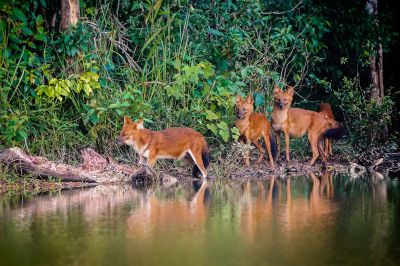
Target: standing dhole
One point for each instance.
(171, 143)
(326, 109)
(296, 122)
(253, 126)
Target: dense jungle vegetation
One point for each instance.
(180, 62)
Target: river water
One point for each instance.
(304, 220)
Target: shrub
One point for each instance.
(367, 120)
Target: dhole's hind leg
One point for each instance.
(330, 147)
(260, 149)
(313, 139)
(287, 145)
(321, 150)
(198, 160)
(326, 146)
(268, 145)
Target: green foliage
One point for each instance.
(366, 119)
(173, 63)
(62, 88)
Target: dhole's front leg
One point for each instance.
(246, 157)
(278, 144)
(141, 159)
(330, 147)
(287, 144)
(313, 139)
(246, 154)
(268, 145)
(151, 160)
(260, 149)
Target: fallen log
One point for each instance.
(94, 168)
(24, 167)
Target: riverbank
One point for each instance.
(34, 185)
(40, 174)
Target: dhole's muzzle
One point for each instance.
(281, 104)
(239, 114)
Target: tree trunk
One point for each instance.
(94, 169)
(69, 13)
(376, 59)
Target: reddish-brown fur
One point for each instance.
(253, 126)
(171, 143)
(296, 122)
(325, 109)
(154, 214)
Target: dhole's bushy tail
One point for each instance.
(331, 133)
(205, 156)
(334, 133)
(274, 150)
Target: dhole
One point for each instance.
(253, 126)
(156, 215)
(171, 143)
(325, 109)
(296, 122)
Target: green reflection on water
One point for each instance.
(311, 220)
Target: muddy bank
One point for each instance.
(379, 168)
(284, 169)
(46, 175)
(39, 186)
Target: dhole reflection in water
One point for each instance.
(179, 214)
(273, 203)
(186, 206)
(309, 219)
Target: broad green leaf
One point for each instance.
(235, 133)
(224, 134)
(224, 91)
(210, 115)
(16, 12)
(215, 32)
(213, 128)
(22, 134)
(43, 3)
(73, 51)
(94, 118)
(27, 31)
(40, 37)
(223, 125)
(113, 105)
(174, 91)
(259, 99)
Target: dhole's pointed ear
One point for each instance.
(140, 124)
(290, 90)
(127, 120)
(276, 89)
(249, 99)
(239, 99)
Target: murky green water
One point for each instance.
(327, 220)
